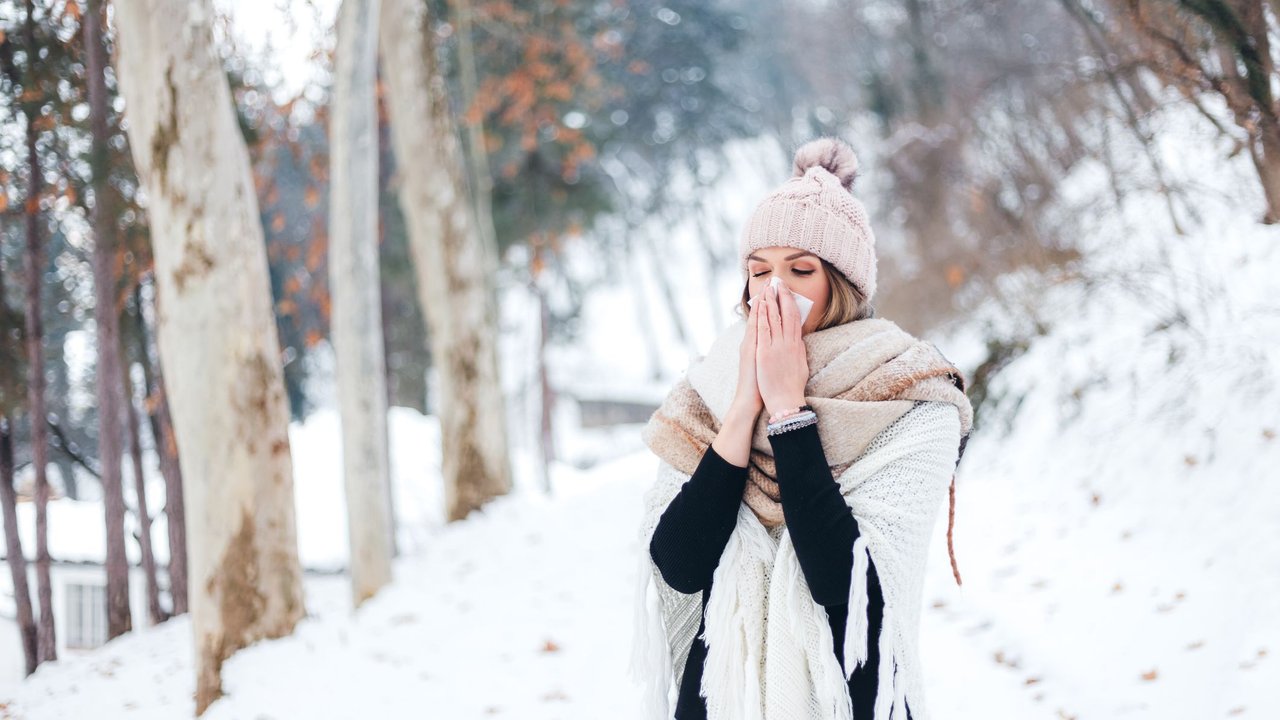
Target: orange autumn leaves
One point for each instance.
(551, 69)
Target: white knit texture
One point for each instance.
(760, 600)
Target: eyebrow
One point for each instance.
(789, 257)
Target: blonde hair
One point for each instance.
(846, 304)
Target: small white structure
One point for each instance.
(77, 548)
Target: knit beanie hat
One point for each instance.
(816, 211)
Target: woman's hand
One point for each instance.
(782, 362)
(733, 442)
(747, 398)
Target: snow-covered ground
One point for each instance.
(1117, 517)
(519, 611)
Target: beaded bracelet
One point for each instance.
(787, 412)
(792, 422)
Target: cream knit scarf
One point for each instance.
(864, 375)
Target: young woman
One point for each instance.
(802, 464)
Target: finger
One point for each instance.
(790, 313)
(775, 318)
(762, 320)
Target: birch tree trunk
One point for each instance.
(450, 262)
(107, 330)
(216, 333)
(356, 319)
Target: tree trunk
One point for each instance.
(47, 645)
(709, 241)
(107, 321)
(355, 321)
(1267, 162)
(216, 334)
(642, 306)
(174, 501)
(482, 182)
(157, 406)
(546, 395)
(669, 300)
(154, 612)
(1253, 17)
(13, 550)
(450, 263)
(393, 379)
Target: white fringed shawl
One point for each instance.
(759, 598)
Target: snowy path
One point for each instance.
(446, 640)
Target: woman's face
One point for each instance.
(801, 271)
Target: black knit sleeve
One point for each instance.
(821, 526)
(696, 525)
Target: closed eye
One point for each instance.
(804, 273)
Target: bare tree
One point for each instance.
(477, 153)
(154, 612)
(17, 561)
(969, 119)
(452, 267)
(1219, 49)
(13, 550)
(216, 333)
(356, 319)
(166, 444)
(29, 102)
(106, 323)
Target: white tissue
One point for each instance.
(803, 303)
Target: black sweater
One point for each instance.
(695, 527)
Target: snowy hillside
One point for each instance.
(1117, 511)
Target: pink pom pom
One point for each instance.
(831, 153)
